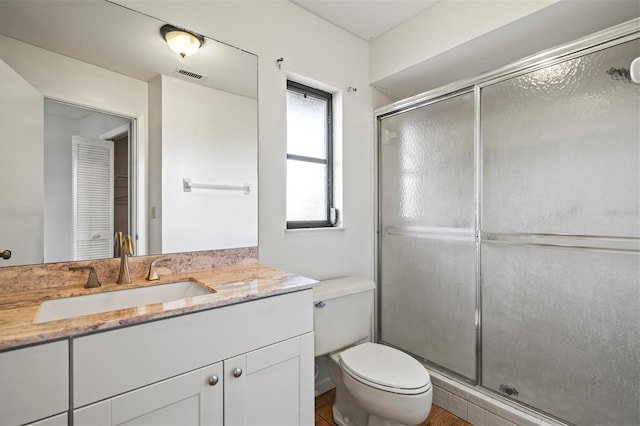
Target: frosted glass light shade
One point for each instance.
(635, 70)
(180, 41)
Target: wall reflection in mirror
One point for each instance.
(100, 123)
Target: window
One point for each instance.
(309, 158)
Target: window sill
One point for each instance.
(323, 229)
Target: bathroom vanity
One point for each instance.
(239, 356)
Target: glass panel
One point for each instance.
(428, 250)
(427, 170)
(561, 149)
(428, 300)
(306, 191)
(562, 328)
(306, 125)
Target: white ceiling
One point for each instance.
(100, 33)
(365, 18)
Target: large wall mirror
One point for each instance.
(104, 129)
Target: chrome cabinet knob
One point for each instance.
(5, 254)
(237, 372)
(213, 380)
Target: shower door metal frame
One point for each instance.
(601, 40)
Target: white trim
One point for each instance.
(125, 128)
(303, 230)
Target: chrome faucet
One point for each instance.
(153, 274)
(126, 250)
(92, 281)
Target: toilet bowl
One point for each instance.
(393, 387)
(376, 385)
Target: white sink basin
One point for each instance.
(76, 306)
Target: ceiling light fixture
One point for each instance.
(181, 41)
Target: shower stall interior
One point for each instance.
(509, 230)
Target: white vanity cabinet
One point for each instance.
(259, 388)
(34, 385)
(162, 369)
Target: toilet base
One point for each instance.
(379, 421)
(346, 410)
(373, 420)
(342, 420)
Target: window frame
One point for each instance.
(328, 97)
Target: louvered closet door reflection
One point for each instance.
(427, 243)
(92, 198)
(560, 241)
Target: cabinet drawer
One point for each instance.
(34, 383)
(113, 362)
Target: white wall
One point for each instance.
(155, 165)
(21, 152)
(313, 48)
(210, 137)
(443, 27)
(62, 78)
(97, 124)
(58, 204)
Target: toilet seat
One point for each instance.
(385, 368)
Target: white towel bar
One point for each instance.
(187, 185)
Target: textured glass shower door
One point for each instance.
(427, 233)
(560, 260)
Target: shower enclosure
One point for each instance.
(509, 230)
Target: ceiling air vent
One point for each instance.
(181, 72)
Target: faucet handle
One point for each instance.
(92, 281)
(153, 274)
(156, 261)
(127, 245)
(118, 243)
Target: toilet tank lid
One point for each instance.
(331, 289)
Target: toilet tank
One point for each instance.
(343, 313)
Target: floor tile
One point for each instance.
(441, 417)
(437, 417)
(326, 412)
(321, 422)
(326, 398)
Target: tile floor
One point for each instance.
(437, 416)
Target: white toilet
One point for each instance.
(376, 385)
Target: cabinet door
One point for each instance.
(34, 383)
(193, 398)
(272, 385)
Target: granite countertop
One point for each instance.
(231, 284)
